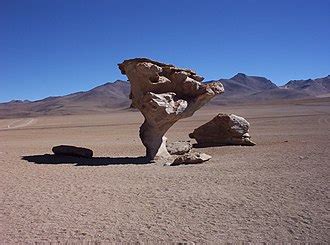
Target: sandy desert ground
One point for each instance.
(277, 190)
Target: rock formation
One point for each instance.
(69, 150)
(164, 94)
(223, 130)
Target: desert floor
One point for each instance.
(277, 190)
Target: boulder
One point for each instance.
(190, 158)
(164, 94)
(179, 147)
(223, 129)
(69, 150)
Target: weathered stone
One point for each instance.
(164, 94)
(179, 147)
(223, 130)
(69, 150)
(190, 158)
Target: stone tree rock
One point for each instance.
(164, 94)
(223, 130)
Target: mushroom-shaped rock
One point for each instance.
(223, 129)
(164, 94)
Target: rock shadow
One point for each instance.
(196, 145)
(81, 161)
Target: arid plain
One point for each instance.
(277, 190)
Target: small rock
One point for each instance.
(179, 147)
(191, 158)
(69, 150)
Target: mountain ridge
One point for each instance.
(111, 96)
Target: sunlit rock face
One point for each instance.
(223, 129)
(164, 94)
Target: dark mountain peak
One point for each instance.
(315, 87)
(120, 81)
(239, 76)
(19, 101)
(250, 83)
(298, 83)
(308, 80)
(109, 85)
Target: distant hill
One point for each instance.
(243, 84)
(108, 97)
(252, 89)
(240, 86)
(316, 87)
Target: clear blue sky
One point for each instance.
(55, 47)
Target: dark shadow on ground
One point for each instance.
(196, 145)
(217, 145)
(80, 161)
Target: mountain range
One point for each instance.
(240, 89)
(253, 89)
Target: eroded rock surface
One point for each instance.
(69, 150)
(164, 94)
(223, 129)
(179, 147)
(190, 158)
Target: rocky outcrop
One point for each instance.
(164, 94)
(190, 158)
(69, 150)
(223, 130)
(179, 147)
